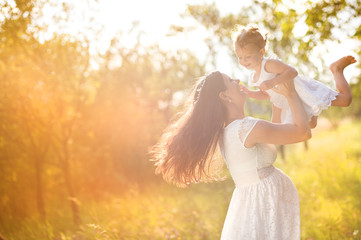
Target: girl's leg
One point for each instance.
(344, 97)
(313, 122)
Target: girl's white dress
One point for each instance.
(315, 96)
(265, 202)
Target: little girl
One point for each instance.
(249, 45)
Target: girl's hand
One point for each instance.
(268, 84)
(286, 89)
(244, 88)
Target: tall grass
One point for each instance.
(328, 179)
(327, 176)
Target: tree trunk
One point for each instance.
(282, 151)
(69, 185)
(305, 143)
(39, 188)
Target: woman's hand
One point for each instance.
(268, 84)
(275, 133)
(286, 89)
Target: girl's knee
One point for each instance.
(348, 101)
(342, 100)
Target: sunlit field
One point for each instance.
(328, 179)
(327, 176)
(88, 87)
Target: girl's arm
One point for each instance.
(260, 95)
(284, 73)
(275, 133)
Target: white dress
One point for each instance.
(265, 202)
(315, 96)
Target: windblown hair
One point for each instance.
(184, 151)
(250, 34)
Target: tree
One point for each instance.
(69, 129)
(21, 126)
(43, 93)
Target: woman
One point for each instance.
(265, 202)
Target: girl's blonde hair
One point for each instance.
(244, 35)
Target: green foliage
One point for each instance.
(332, 20)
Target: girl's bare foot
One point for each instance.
(340, 64)
(344, 97)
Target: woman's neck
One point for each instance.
(234, 115)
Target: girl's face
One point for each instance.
(250, 56)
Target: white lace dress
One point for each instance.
(265, 202)
(315, 96)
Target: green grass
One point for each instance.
(327, 176)
(328, 179)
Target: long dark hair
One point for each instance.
(184, 151)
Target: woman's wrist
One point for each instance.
(291, 94)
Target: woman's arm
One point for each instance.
(276, 114)
(275, 133)
(284, 73)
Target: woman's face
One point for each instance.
(233, 89)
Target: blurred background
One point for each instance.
(87, 87)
